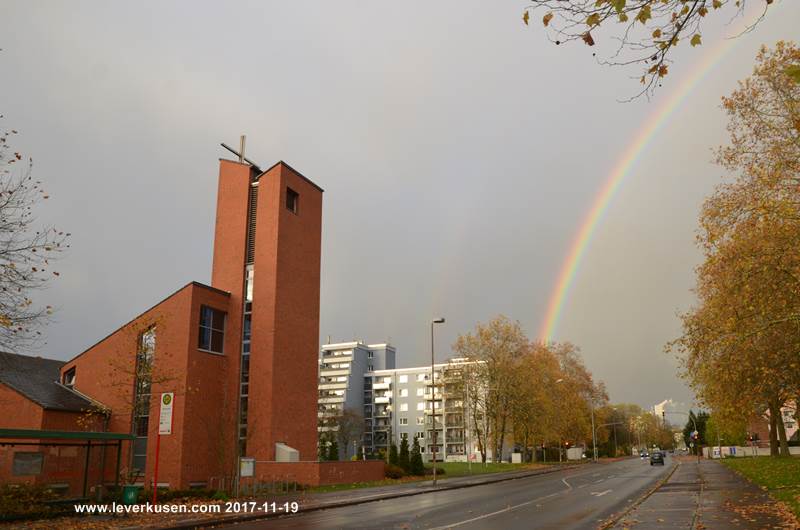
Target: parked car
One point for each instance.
(656, 457)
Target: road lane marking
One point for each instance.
(564, 480)
(498, 512)
(601, 493)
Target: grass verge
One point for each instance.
(451, 469)
(779, 476)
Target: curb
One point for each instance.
(210, 523)
(616, 518)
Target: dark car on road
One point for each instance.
(656, 457)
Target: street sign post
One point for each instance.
(164, 427)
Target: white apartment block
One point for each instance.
(395, 403)
(342, 368)
(400, 404)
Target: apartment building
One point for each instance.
(342, 367)
(404, 403)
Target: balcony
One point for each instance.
(341, 385)
(333, 372)
(381, 386)
(331, 399)
(382, 399)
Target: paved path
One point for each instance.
(580, 498)
(708, 496)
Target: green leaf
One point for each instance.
(619, 5)
(593, 20)
(644, 14)
(793, 72)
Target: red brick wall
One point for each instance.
(17, 411)
(105, 372)
(318, 473)
(347, 472)
(210, 426)
(61, 465)
(285, 317)
(228, 274)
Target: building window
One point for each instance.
(404, 421)
(422, 377)
(403, 379)
(370, 355)
(403, 392)
(420, 435)
(420, 420)
(212, 329)
(26, 463)
(403, 407)
(369, 367)
(141, 405)
(420, 406)
(420, 391)
(69, 378)
(292, 200)
(422, 450)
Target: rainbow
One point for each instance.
(622, 169)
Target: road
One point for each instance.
(576, 498)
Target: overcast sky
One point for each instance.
(459, 152)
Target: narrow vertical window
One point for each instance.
(69, 378)
(292, 200)
(212, 330)
(145, 353)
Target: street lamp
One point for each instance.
(616, 447)
(433, 399)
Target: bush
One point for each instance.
(429, 471)
(220, 495)
(403, 459)
(27, 502)
(392, 471)
(417, 467)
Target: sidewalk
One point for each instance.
(705, 496)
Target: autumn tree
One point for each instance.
(500, 345)
(740, 347)
(644, 32)
(27, 251)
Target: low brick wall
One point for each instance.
(319, 473)
(347, 472)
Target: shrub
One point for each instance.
(27, 502)
(429, 471)
(220, 495)
(403, 459)
(392, 471)
(415, 463)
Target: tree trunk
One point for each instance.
(502, 439)
(782, 434)
(774, 412)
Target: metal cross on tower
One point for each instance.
(240, 153)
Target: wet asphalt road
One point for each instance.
(577, 498)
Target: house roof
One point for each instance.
(37, 379)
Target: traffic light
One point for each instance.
(566, 444)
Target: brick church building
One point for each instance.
(240, 354)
